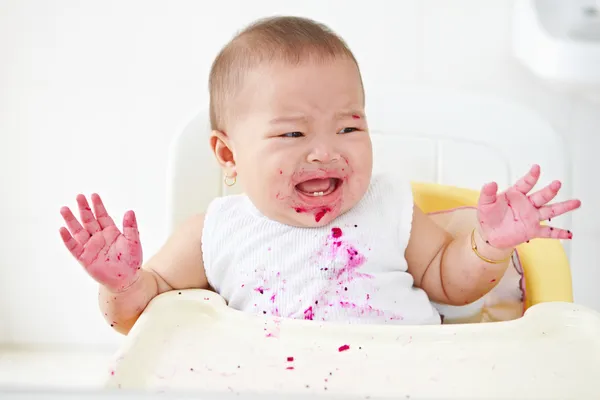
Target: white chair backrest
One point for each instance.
(430, 135)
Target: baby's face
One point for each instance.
(301, 144)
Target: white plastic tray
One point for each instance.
(190, 341)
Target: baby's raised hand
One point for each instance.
(112, 258)
(513, 217)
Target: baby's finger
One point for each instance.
(488, 194)
(556, 209)
(87, 216)
(80, 234)
(526, 183)
(549, 232)
(545, 195)
(130, 228)
(101, 215)
(74, 248)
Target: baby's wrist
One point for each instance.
(485, 249)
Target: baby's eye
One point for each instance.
(292, 134)
(348, 130)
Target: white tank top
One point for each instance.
(352, 270)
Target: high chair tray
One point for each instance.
(190, 341)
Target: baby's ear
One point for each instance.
(220, 145)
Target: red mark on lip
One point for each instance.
(321, 214)
(336, 232)
(300, 210)
(308, 313)
(344, 348)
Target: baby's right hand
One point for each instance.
(112, 258)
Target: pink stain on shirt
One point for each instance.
(260, 290)
(344, 348)
(308, 313)
(336, 232)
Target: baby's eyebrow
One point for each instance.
(280, 120)
(354, 114)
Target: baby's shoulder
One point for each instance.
(225, 210)
(227, 203)
(390, 186)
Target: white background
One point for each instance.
(91, 93)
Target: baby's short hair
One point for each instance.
(287, 39)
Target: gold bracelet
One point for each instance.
(474, 248)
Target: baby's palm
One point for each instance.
(513, 217)
(112, 258)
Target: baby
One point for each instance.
(315, 236)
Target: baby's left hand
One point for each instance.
(512, 217)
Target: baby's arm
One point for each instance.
(456, 272)
(449, 270)
(177, 265)
(114, 259)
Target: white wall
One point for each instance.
(92, 92)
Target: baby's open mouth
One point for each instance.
(318, 187)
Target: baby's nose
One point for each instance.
(323, 156)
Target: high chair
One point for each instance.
(525, 339)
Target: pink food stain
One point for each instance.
(354, 116)
(341, 252)
(280, 172)
(344, 348)
(273, 297)
(320, 214)
(308, 313)
(300, 210)
(260, 290)
(492, 281)
(290, 359)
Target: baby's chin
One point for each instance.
(304, 217)
(316, 217)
